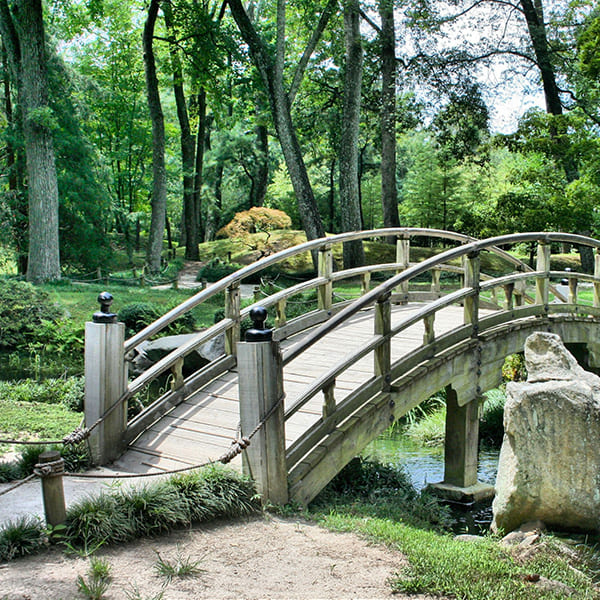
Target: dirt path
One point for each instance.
(264, 557)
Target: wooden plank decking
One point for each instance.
(203, 426)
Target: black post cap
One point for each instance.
(104, 315)
(258, 332)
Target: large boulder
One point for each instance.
(549, 466)
(150, 352)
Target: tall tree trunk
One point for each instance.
(24, 38)
(159, 172)
(348, 153)
(198, 170)
(389, 191)
(261, 178)
(271, 73)
(188, 145)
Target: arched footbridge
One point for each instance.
(332, 379)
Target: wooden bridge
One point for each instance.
(346, 369)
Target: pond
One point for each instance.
(426, 465)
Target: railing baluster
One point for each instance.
(232, 311)
(572, 290)
(329, 399)
(435, 281)
(365, 284)
(280, 318)
(597, 276)
(543, 265)
(429, 335)
(177, 372)
(325, 268)
(383, 324)
(471, 280)
(403, 259)
(508, 293)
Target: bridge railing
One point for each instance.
(385, 373)
(327, 306)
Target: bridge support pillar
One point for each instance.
(260, 375)
(461, 452)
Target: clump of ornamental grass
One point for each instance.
(122, 514)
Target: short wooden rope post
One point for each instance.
(383, 325)
(232, 311)
(50, 469)
(325, 269)
(105, 382)
(471, 307)
(403, 260)
(543, 265)
(260, 373)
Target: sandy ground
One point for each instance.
(263, 557)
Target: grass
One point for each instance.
(120, 515)
(97, 581)
(376, 502)
(180, 566)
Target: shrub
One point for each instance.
(68, 391)
(257, 219)
(23, 310)
(491, 421)
(21, 537)
(514, 368)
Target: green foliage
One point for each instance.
(21, 537)
(514, 368)
(43, 116)
(67, 391)
(97, 581)
(138, 315)
(430, 430)
(257, 219)
(216, 269)
(23, 311)
(491, 419)
(381, 489)
(181, 566)
(122, 515)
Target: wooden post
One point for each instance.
(105, 382)
(328, 399)
(597, 278)
(325, 268)
(232, 311)
(383, 324)
(462, 437)
(435, 282)
(261, 391)
(543, 265)
(365, 283)
(177, 372)
(471, 308)
(572, 290)
(280, 316)
(403, 259)
(50, 468)
(508, 295)
(429, 335)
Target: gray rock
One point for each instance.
(150, 352)
(549, 467)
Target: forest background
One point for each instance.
(125, 120)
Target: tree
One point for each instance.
(389, 192)
(348, 152)
(22, 30)
(159, 185)
(271, 73)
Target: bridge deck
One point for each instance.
(202, 427)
